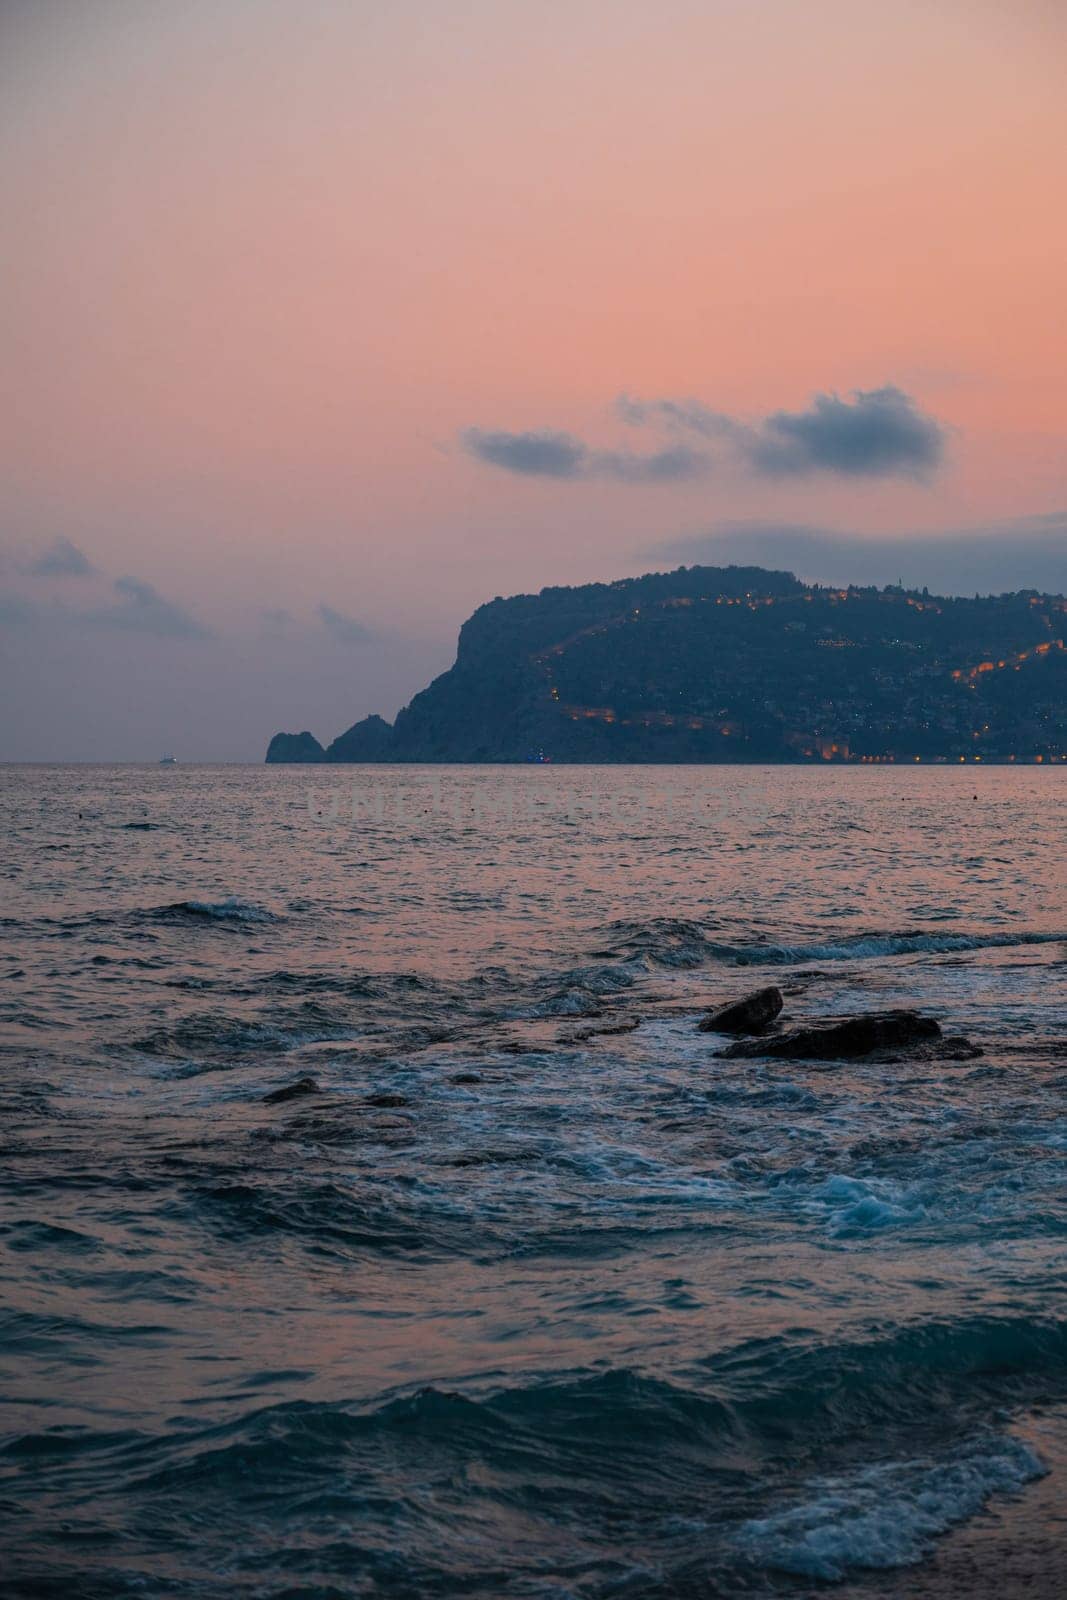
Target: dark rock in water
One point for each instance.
(842, 1041)
(302, 747)
(464, 1078)
(750, 1015)
(387, 1102)
(291, 1091)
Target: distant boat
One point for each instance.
(168, 761)
(540, 758)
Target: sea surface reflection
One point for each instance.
(531, 1293)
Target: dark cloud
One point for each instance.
(874, 433)
(346, 629)
(61, 560)
(877, 433)
(537, 455)
(987, 558)
(141, 608)
(561, 455)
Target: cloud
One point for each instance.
(61, 560)
(537, 455)
(561, 455)
(873, 433)
(142, 609)
(348, 630)
(878, 433)
(137, 608)
(663, 466)
(984, 558)
(679, 416)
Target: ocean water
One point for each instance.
(521, 1304)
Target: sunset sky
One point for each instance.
(324, 321)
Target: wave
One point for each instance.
(573, 1002)
(864, 946)
(762, 1409)
(888, 1515)
(661, 942)
(327, 1217)
(207, 1038)
(819, 1394)
(565, 1426)
(859, 1206)
(771, 1461)
(357, 985)
(231, 909)
(757, 1402)
(674, 942)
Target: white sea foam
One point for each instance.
(887, 1516)
(865, 1205)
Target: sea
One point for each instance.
(529, 1293)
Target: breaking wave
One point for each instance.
(888, 1515)
(670, 942)
(583, 1463)
(864, 946)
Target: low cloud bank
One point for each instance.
(985, 558)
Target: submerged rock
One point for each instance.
(750, 1015)
(844, 1040)
(291, 1091)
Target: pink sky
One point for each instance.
(270, 259)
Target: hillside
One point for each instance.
(713, 664)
